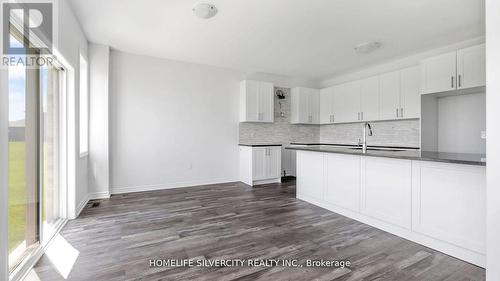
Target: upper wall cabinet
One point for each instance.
(389, 96)
(256, 101)
(399, 94)
(305, 106)
(471, 67)
(460, 69)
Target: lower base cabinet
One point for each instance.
(343, 180)
(386, 190)
(439, 205)
(310, 174)
(449, 203)
(260, 165)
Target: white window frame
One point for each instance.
(84, 109)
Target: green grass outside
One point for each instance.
(17, 194)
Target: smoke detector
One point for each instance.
(204, 10)
(367, 47)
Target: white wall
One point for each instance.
(460, 122)
(172, 123)
(99, 121)
(493, 138)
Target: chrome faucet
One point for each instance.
(370, 133)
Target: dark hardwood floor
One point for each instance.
(117, 237)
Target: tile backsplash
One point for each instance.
(385, 133)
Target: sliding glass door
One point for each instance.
(23, 164)
(36, 197)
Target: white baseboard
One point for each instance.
(141, 188)
(80, 206)
(99, 195)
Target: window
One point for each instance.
(84, 108)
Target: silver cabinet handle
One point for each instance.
(333, 118)
(358, 116)
(397, 112)
(459, 81)
(362, 118)
(402, 112)
(452, 82)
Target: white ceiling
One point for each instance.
(312, 39)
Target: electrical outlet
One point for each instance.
(483, 135)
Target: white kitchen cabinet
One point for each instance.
(461, 69)
(369, 99)
(260, 165)
(471, 67)
(386, 190)
(256, 101)
(310, 180)
(342, 181)
(439, 73)
(449, 203)
(390, 93)
(399, 94)
(347, 102)
(326, 97)
(410, 93)
(305, 106)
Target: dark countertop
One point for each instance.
(352, 145)
(445, 157)
(259, 144)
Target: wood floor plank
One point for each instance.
(117, 239)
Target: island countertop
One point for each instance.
(445, 157)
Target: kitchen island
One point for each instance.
(435, 199)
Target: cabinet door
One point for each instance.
(439, 73)
(410, 93)
(259, 165)
(343, 181)
(449, 203)
(249, 101)
(266, 102)
(326, 105)
(390, 91)
(386, 190)
(313, 97)
(471, 67)
(300, 106)
(274, 162)
(369, 99)
(309, 175)
(347, 102)
(339, 104)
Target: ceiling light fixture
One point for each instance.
(204, 10)
(367, 47)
